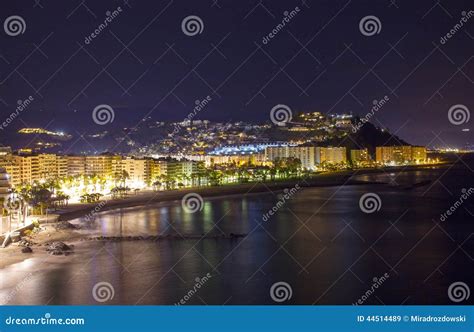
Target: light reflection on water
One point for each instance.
(328, 250)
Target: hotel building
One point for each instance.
(360, 156)
(400, 154)
(332, 155)
(26, 169)
(306, 154)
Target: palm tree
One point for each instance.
(156, 185)
(40, 197)
(215, 177)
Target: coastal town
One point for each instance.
(33, 183)
(76, 176)
(43, 177)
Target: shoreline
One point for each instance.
(50, 232)
(145, 198)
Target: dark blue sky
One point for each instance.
(143, 63)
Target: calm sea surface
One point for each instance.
(319, 242)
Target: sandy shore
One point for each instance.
(143, 198)
(150, 197)
(50, 232)
(46, 234)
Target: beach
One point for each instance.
(149, 197)
(50, 232)
(151, 250)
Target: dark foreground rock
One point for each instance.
(64, 225)
(58, 248)
(26, 250)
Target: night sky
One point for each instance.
(143, 64)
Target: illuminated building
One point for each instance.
(138, 170)
(44, 131)
(360, 156)
(249, 159)
(343, 121)
(103, 165)
(62, 164)
(400, 154)
(4, 193)
(47, 166)
(4, 183)
(244, 149)
(418, 154)
(7, 162)
(174, 168)
(76, 165)
(29, 168)
(306, 154)
(332, 155)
